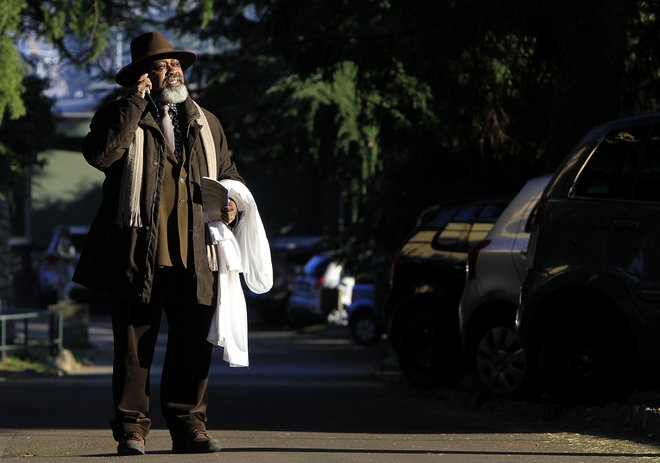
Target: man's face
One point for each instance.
(165, 73)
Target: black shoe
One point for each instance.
(132, 443)
(196, 441)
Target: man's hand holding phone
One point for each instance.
(143, 85)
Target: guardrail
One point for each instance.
(55, 337)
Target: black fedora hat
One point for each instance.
(147, 48)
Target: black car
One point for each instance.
(590, 304)
(427, 279)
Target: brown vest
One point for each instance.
(174, 219)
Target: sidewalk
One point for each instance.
(39, 438)
(274, 413)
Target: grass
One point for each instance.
(26, 362)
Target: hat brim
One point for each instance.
(129, 74)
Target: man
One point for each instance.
(147, 246)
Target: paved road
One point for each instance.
(308, 397)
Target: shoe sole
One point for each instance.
(123, 451)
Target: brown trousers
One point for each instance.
(184, 379)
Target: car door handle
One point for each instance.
(625, 224)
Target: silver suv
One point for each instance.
(495, 269)
(590, 304)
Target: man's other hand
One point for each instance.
(229, 212)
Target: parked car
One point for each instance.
(58, 263)
(590, 303)
(362, 287)
(427, 279)
(289, 254)
(487, 311)
(315, 293)
(364, 317)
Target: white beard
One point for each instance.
(174, 95)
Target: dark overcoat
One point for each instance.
(122, 260)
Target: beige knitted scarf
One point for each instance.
(128, 214)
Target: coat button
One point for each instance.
(181, 180)
(182, 202)
(154, 163)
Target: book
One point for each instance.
(214, 197)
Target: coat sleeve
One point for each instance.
(226, 167)
(111, 131)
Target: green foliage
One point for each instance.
(11, 87)
(351, 143)
(415, 102)
(423, 101)
(204, 10)
(26, 363)
(79, 20)
(80, 30)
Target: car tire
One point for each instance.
(430, 351)
(587, 360)
(497, 360)
(364, 327)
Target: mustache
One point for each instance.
(171, 76)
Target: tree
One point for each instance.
(11, 88)
(461, 98)
(415, 102)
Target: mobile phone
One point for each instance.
(147, 95)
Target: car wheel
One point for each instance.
(430, 352)
(365, 329)
(587, 360)
(498, 361)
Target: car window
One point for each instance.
(466, 214)
(648, 179)
(453, 236)
(491, 212)
(440, 218)
(610, 170)
(478, 232)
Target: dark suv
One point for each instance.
(427, 279)
(590, 305)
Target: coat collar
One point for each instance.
(190, 110)
(188, 113)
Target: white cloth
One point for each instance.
(244, 250)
